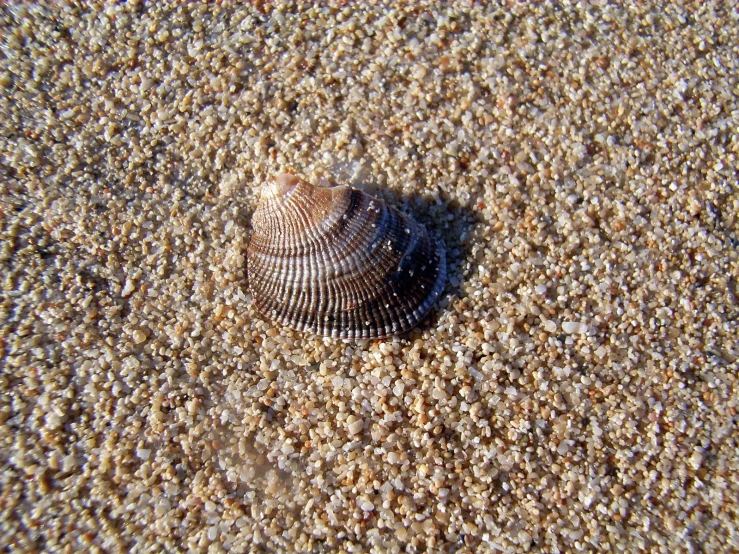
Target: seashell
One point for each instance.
(340, 263)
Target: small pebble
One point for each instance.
(574, 327)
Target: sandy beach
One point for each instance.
(573, 390)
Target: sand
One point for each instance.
(575, 388)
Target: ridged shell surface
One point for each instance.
(339, 263)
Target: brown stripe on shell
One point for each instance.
(339, 263)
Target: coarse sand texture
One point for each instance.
(573, 389)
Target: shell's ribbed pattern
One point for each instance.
(339, 263)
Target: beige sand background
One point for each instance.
(574, 390)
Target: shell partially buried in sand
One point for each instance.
(339, 263)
